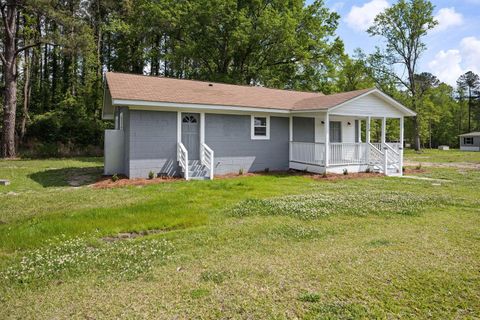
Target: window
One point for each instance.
(189, 119)
(260, 127)
(468, 140)
(335, 131)
(119, 121)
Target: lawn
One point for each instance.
(440, 156)
(266, 246)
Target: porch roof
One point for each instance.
(125, 88)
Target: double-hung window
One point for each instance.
(260, 128)
(468, 140)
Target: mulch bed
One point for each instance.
(106, 182)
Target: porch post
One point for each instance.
(359, 131)
(368, 130)
(367, 140)
(202, 136)
(400, 149)
(327, 139)
(384, 130)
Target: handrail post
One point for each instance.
(385, 161)
(211, 164)
(186, 165)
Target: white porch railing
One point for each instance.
(348, 153)
(307, 152)
(381, 157)
(182, 157)
(207, 158)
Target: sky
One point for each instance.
(453, 47)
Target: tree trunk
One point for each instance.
(416, 130)
(10, 73)
(26, 96)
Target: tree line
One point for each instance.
(54, 54)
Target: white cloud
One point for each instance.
(448, 17)
(470, 47)
(449, 65)
(360, 18)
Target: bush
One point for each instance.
(419, 166)
(115, 177)
(345, 172)
(151, 175)
(240, 172)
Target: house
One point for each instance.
(201, 129)
(470, 141)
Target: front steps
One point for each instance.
(197, 171)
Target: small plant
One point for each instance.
(115, 177)
(345, 172)
(309, 297)
(419, 166)
(240, 172)
(368, 170)
(151, 175)
(403, 169)
(267, 170)
(216, 277)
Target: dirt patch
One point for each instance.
(458, 165)
(132, 235)
(335, 176)
(106, 182)
(410, 170)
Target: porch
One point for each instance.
(328, 142)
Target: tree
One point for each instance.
(469, 84)
(403, 26)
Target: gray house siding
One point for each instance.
(126, 128)
(152, 143)
(303, 129)
(476, 143)
(230, 138)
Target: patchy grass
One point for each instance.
(274, 246)
(439, 156)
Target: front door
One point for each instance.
(191, 134)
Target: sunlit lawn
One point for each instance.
(434, 155)
(271, 246)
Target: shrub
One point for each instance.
(267, 170)
(115, 177)
(368, 170)
(345, 172)
(240, 172)
(151, 175)
(419, 166)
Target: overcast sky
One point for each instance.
(453, 47)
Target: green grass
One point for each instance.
(439, 156)
(271, 246)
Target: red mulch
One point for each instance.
(106, 182)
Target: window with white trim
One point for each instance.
(468, 140)
(260, 127)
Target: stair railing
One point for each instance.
(376, 157)
(393, 157)
(182, 158)
(207, 158)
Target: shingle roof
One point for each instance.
(124, 86)
(470, 134)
